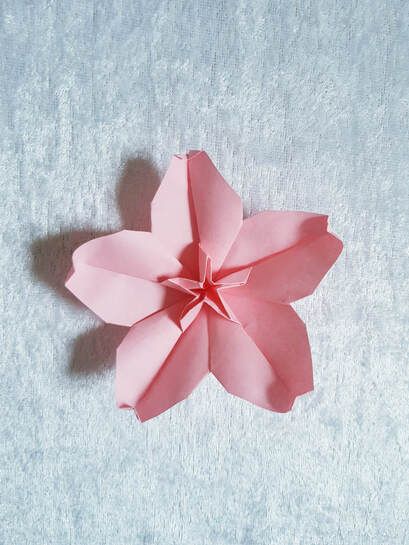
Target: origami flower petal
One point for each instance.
(143, 352)
(172, 215)
(194, 204)
(117, 298)
(182, 371)
(218, 208)
(241, 367)
(135, 253)
(111, 276)
(280, 334)
(295, 273)
(268, 233)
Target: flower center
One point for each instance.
(206, 290)
(209, 294)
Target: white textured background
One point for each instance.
(302, 105)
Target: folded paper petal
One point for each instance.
(268, 233)
(172, 215)
(182, 371)
(294, 273)
(143, 352)
(241, 367)
(117, 298)
(135, 253)
(115, 276)
(218, 209)
(281, 335)
(194, 204)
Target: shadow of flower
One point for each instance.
(93, 351)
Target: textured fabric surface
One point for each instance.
(302, 105)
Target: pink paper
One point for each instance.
(207, 292)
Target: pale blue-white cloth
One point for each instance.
(302, 105)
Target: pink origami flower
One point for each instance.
(206, 292)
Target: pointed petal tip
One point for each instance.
(189, 155)
(337, 246)
(339, 243)
(124, 406)
(139, 417)
(70, 274)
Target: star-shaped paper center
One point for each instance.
(207, 289)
